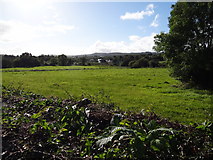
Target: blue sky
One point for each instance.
(64, 27)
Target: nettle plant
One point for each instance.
(66, 129)
(135, 140)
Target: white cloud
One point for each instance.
(138, 15)
(46, 49)
(56, 28)
(49, 22)
(17, 31)
(134, 38)
(14, 31)
(139, 44)
(150, 7)
(155, 21)
(136, 44)
(53, 16)
(106, 47)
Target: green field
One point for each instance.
(151, 89)
(54, 68)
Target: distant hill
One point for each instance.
(114, 54)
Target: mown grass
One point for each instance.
(131, 89)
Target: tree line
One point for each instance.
(28, 60)
(131, 60)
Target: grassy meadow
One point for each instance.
(151, 89)
(53, 68)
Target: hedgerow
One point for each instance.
(35, 127)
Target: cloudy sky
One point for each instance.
(71, 28)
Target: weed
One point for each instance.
(37, 127)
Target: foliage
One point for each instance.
(142, 62)
(41, 128)
(188, 46)
(62, 60)
(139, 61)
(27, 60)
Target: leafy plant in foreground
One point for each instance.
(132, 140)
(37, 127)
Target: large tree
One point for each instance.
(26, 60)
(62, 60)
(188, 46)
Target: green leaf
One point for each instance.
(155, 144)
(63, 130)
(36, 115)
(116, 129)
(104, 141)
(163, 130)
(63, 118)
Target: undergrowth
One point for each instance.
(34, 127)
